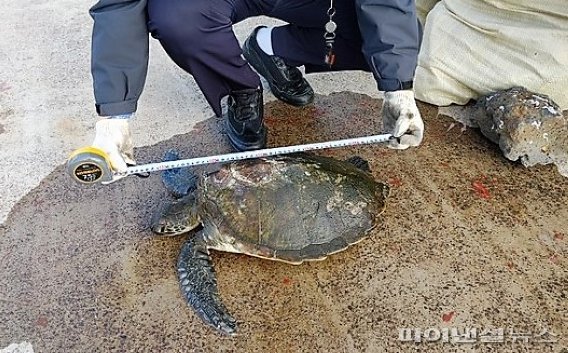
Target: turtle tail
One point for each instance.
(199, 285)
(179, 181)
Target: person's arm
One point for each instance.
(119, 55)
(391, 40)
(119, 64)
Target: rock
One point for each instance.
(526, 125)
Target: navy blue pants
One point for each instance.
(198, 36)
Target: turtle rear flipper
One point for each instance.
(360, 163)
(180, 181)
(199, 285)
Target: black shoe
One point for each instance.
(286, 82)
(245, 120)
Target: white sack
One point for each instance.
(471, 48)
(423, 7)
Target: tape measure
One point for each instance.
(90, 165)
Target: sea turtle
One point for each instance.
(291, 208)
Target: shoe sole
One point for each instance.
(249, 54)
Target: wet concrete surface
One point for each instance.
(468, 239)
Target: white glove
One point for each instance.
(402, 118)
(112, 135)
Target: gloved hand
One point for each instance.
(112, 135)
(402, 118)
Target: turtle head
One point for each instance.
(177, 217)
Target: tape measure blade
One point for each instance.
(183, 163)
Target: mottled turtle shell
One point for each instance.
(289, 208)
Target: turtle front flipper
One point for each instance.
(178, 181)
(199, 285)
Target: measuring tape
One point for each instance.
(90, 165)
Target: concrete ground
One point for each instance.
(468, 238)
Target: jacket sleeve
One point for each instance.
(119, 54)
(391, 40)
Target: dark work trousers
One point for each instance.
(198, 36)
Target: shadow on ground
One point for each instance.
(468, 239)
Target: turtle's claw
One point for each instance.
(227, 325)
(227, 329)
(217, 317)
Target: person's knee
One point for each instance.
(177, 23)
